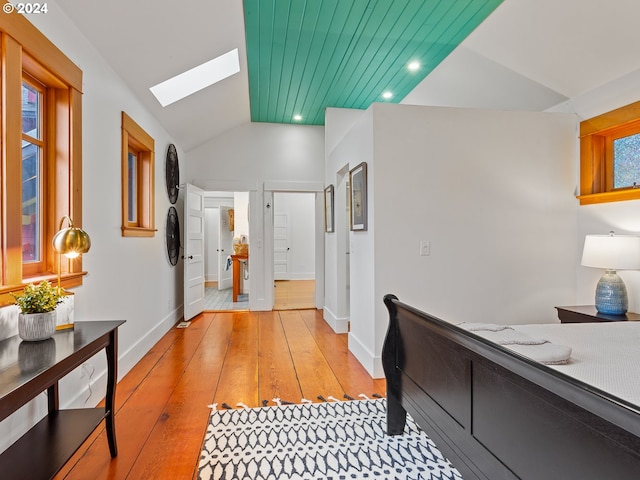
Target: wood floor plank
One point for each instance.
(314, 373)
(126, 387)
(294, 294)
(239, 376)
(139, 414)
(352, 376)
(277, 374)
(182, 425)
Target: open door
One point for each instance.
(225, 249)
(193, 252)
(281, 243)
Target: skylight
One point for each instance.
(197, 78)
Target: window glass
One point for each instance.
(31, 174)
(30, 202)
(626, 161)
(133, 190)
(30, 111)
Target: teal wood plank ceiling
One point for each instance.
(306, 55)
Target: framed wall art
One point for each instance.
(328, 209)
(358, 197)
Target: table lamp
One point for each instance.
(611, 252)
(70, 242)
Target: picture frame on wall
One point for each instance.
(358, 197)
(328, 209)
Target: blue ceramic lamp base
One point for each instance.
(611, 294)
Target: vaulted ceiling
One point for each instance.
(527, 54)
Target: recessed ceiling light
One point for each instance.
(197, 78)
(297, 118)
(387, 95)
(413, 66)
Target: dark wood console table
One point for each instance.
(28, 369)
(589, 314)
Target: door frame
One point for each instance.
(261, 233)
(294, 187)
(256, 298)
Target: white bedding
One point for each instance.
(605, 355)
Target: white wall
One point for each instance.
(467, 79)
(493, 194)
(622, 217)
(338, 123)
(300, 208)
(259, 152)
(241, 215)
(128, 278)
(261, 158)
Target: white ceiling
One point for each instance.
(149, 41)
(541, 51)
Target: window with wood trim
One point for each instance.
(610, 156)
(41, 156)
(137, 180)
(34, 149)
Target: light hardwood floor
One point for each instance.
(162, 403)
(294, 294)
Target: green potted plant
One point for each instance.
(37, 318)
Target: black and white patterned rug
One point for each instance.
(333, 440)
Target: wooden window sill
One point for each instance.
(605, 197)
(67, 280)
(138, 232)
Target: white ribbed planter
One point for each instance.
(33, 327)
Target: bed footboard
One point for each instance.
(497, 415)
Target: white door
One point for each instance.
(193, 252)
(225, 249)
(211, 226)
(281, 246)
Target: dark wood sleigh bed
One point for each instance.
(499, 415)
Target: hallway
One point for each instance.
(162, 404)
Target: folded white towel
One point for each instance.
(478, 327)
(538, 349)
(509, 336)
(547, 353)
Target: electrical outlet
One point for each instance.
(425, 248)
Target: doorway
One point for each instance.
(294, 250)
(226, 220)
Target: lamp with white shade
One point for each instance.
(612, 252)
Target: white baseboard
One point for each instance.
(260, 305)
(126, 361)
(338, 325)
(134, 354)
(302, 276)
(371, 362)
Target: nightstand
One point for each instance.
(589, 314)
